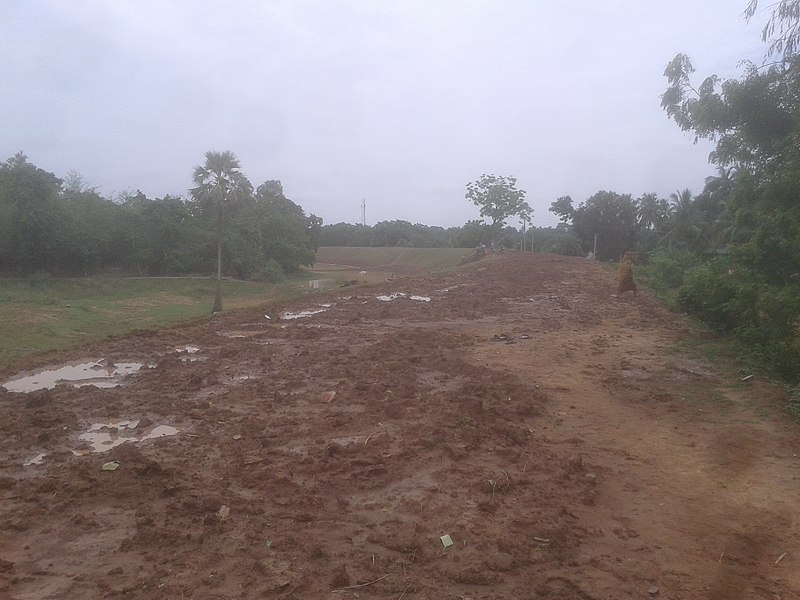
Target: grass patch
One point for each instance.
(408, 261)
(41, 315)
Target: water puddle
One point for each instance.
(102, 437)
(36, 459)
(288, 316)
(421, 298)
(159, 432)
(101, 373)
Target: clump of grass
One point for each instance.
(794, 403)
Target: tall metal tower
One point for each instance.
(363, 211)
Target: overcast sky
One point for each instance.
(399, 102)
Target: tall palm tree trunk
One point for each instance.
(218, 298)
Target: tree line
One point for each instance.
(751, 208)
(731, 254)
(65, 227)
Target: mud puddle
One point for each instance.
(101, 373)
(102, 437)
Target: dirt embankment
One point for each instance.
(559, 435)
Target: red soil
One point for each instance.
(567, 440)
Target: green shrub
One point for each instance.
(271, 272)
(708, 292)
(794, 403)
(666, 270)
(762, 318)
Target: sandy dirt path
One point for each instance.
(572, 445)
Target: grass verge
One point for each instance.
(51, 314)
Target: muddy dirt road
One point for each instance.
(567, 442)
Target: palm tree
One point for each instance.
(683, 228)
(651, 211)
(217, 182)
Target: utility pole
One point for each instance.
(594, 252)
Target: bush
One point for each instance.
(271, 272)
(708, 292)
(666, 269)
(794, 403)
(764, 319)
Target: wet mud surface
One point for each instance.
(562, 437)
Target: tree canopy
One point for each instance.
(68, 228)
(749, 213)
(499, 199)
(611, 216)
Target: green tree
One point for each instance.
(218, 182)
(563, 208)
(499, 199)
(651, 211)
(612, 217)
(682, 230)
(752, 205)
(782, 29)
(33, 217)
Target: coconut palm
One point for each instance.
(651, 211)
(682, 229)
(218, 182)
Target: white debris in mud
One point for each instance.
(396, 295)
(289, 316)
(189, 354)
(36, 459)
(391, 297)
(100, 373)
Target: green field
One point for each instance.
(37, 316)
(406, 261)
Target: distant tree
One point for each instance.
(651, 211)
(346, 234)
(218, 181)
(473, 233)
(499, 199)
(609, 215)
(284, 234)
(563, 208)
(32, 227)
(314, 232)
(683, 230)
(556, 240)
